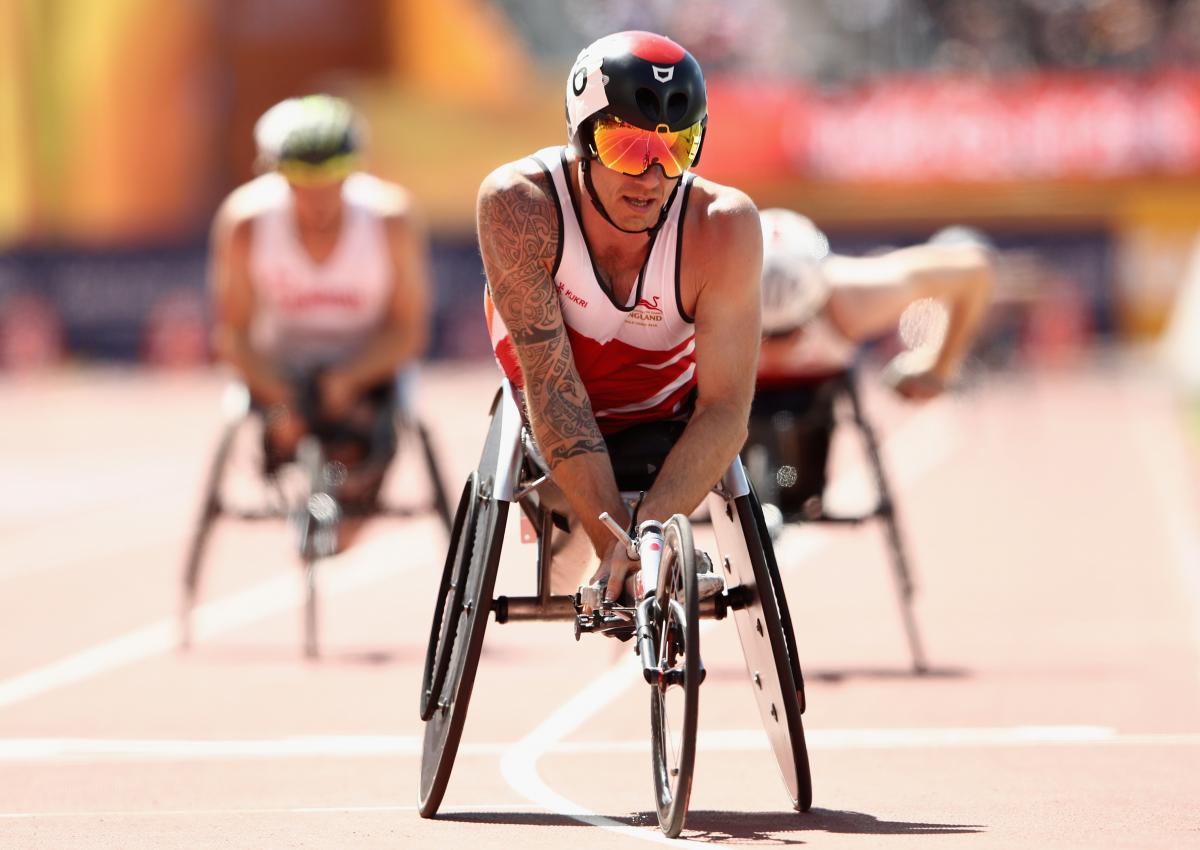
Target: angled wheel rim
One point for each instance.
(445, 624)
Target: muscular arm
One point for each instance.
(868, 294)
(728, 318)
(233, 297)
(404, 332)
(518, 237)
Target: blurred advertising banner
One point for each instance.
(146, 304)
(935, 129)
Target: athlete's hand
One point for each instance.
(338, 394)
(913, 377)
(614, 571)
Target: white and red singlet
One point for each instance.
(637, 360)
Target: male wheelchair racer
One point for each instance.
(787, 455)
(663, 618)
(313, 489)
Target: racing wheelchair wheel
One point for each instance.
(785, 616)
(447, 705)
(769, 645)
(675, 697)
(759, 610)
(449, 603)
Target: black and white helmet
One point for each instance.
(642, 78)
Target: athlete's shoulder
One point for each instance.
(517, 216)
(235, 218)
(381, 197)
(251, 200)
(721, 212)
(527, 177)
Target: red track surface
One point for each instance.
(1053, 527)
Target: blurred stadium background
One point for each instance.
(1068, 130)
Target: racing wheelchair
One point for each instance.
(662, 618)
(786, 457)
(306, 495)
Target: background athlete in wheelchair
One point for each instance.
(818, 311)
(623, 305)
(321, 292)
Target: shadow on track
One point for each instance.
(837, 676)
(773, 828)
(782, 828)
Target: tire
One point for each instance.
(441, 503)
(210, 510)
(675, 702)
(785, 616)
(444, 728)
(448, 607)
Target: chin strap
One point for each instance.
(591, 189)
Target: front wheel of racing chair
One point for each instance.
(675, 697)
(317, 522)
(788, 451)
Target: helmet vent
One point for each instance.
(650, 105)
(677, 105)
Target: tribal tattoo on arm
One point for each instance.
(518, 233)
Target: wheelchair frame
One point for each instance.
(507, 474)
(317, 518)
(845, 386)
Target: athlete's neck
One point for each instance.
(319, 234)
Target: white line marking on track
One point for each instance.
(268, 597)
(96, 750)
(301, 810)
(519, 762)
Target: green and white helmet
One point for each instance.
(316, 136)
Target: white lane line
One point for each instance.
(282, 810)
(268, 597)
(154, 749)
(519, 762)
(106, 750)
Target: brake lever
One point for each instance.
(631, 546)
